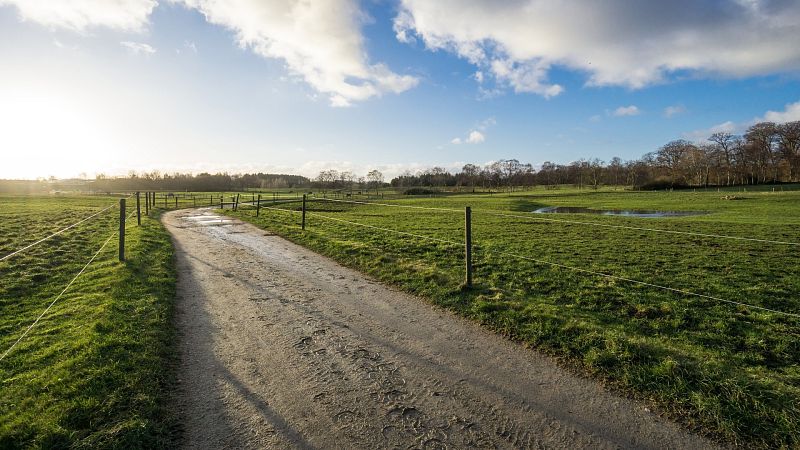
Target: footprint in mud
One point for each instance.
(345, 418)
(304, 343)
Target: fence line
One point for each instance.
(388, 204)
(564, 266)
(60, 294)
(628, 227)
(56, 233)
(430, 238)
(576, 222)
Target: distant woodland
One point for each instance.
(766, 153)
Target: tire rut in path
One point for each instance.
(283, 348)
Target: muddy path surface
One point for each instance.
(283, 348)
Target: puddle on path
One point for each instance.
(616, 212)
(209, 219)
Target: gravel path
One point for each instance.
(283, 348)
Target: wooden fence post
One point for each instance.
(303, 223)
(165, 201)
(122, 229)
(176, 202)
(258, 205)
(468, 245)
(138, 210)
(147, 203)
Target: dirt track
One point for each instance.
(283, 348)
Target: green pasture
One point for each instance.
(95, 371)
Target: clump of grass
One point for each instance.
(96, 370)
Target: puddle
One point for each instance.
(209, 219)
(615, 212)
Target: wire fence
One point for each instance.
(488, 249)
(124, 219)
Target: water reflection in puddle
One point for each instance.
(208, 219)
(615, 212)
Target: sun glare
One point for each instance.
(46, 134)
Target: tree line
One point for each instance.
(766, 153)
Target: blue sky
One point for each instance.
(94, 86)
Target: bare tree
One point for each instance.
(789, 144)
(376, 177)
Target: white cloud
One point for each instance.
(724, 127)
(80, 15)
(191, 46)
(477, 134)
(790, 113)
(615, 42)
(674, 110)
(625, 111)
(319, 41)
(475, 137)
(138, 48)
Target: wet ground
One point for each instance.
(616, 212)
(280, 347)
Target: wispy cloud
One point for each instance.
(626, 111)
(674, 110)
(790, 113)
(138, 48)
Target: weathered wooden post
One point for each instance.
(468, 245)
(303, 222)
(165, 201)
(146, 203)
(258, 205)
(176, 202)
(122, 229)
(138, 211)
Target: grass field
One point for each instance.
(95, 371)
(727, 370)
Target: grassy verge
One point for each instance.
(729, 371)
(95, 371)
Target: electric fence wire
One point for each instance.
(530, 216)
(642, 283)
(64, 290)
(628, 227)
(56, 233)
(405, 233)
(564, 266)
